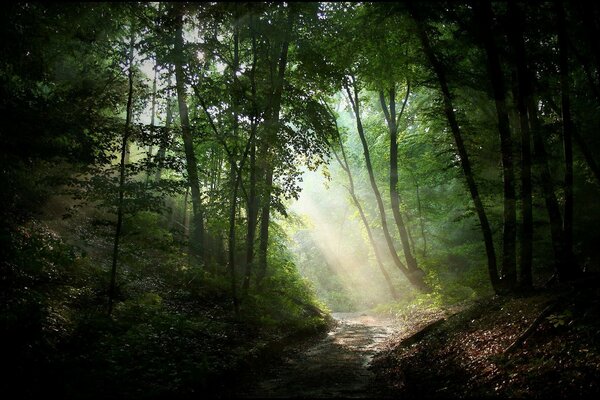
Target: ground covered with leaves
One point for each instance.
(465, 355)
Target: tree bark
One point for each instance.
(392, 123)
(462, 151)
(415, 277)
(541, 160)
(421, 219)
(152, 117)
(271, 128)
(123, 162)
(197, 237)
(351, 190)
(523, 91)
(252, 201)
(484, 18)
(162, 149)
(234, 178)
(567, 271)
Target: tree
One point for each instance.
(197, 238)
(484, 19)
(522, 93)
(413, 273)
(124, 145)
(566, 270)
(439, 71)
(392, 121)
(343, 162)
(277, 68)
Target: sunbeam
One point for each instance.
(337, 237)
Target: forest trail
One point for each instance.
(335, 365)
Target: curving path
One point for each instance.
(333, 366)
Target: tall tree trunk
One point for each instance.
(462, 151)
(567, 271)
(521, 93)
(252, 201)
(271, 128)
(162, 149)
(415, 277)
(231, 241)
(420, 211)
(541, 160)
(484, 18)
(252, 207)
(378, 257)
(152, 116)
(392, 123)
(126, 133)
(197, 237)
(234, 178)
(185, 221)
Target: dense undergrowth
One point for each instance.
(173, 330)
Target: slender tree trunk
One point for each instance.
(126, 132)
(264, 226)
(567, 271)
(234, 178)
(392, 122)
(378, 257)
(231, 241)
(415, 277)
(462, 151)
(252, 207)
(410, 235)
(484, 18)
(376, 250)
(152, 116)
(521, 93)
(271, 128)
(185, 221)
(541, 160)
(252, 201)
(420, 211)
(197, 237)
(162, 150)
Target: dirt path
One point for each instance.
(333, 366)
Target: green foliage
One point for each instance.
(258, 80)
(560, 319)
(172, 331)
(285, 300)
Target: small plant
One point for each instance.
(560, 319)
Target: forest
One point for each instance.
(300, 199)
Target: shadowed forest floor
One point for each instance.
(335, 365)
(466, 357)
(452, 354)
